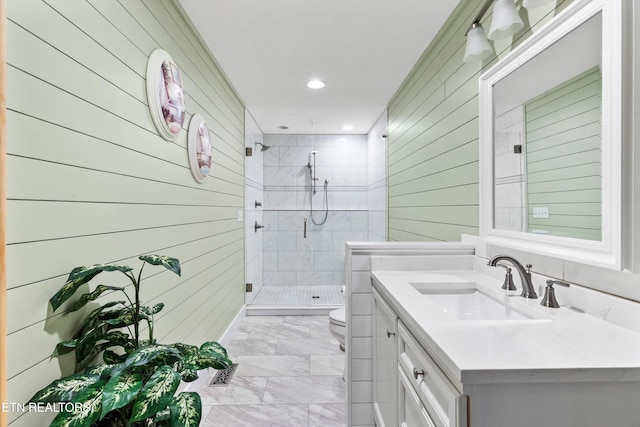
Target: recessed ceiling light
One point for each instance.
(347, 127)
(315, 84)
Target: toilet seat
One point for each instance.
(338, 316)
(338, 327)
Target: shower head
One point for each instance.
(262, 146)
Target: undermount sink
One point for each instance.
(466, 302)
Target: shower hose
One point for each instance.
(326, 205)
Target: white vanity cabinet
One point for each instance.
(384, 364)
(558, 368)
(409, 388)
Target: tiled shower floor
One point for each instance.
(288, 375)
(299, 295)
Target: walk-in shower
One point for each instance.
(313, 190)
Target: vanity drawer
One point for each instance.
(412, 412)
(445, 405)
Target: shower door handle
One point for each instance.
(305, 228)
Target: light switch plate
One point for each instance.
(240, 216)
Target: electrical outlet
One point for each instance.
(541, 212)
(240, 216)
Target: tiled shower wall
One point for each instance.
(377, 179)
(254, 191)
(290, 258)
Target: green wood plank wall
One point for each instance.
(564, 158)
(90, 181)
(433, 133)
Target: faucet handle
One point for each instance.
(549, 299)
(529, 267)
(508, 278)
(508, 281)
(557, 282)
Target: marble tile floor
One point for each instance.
(289, 375)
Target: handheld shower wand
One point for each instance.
(312, 170)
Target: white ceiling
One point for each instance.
(361, 49)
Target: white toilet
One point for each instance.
(337, 325)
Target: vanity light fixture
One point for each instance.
(505, 22)
(315, 84)
(478, 47)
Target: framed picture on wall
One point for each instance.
(165, 94)
(199, 148)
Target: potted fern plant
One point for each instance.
(120, 378)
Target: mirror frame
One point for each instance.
(607, 252)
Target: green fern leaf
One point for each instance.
(87, 410)
(188, 374)
(64, 347)
(86, 343)
(78, 277)
(186, 410)
(156, 393)
(171, 264)
(145, 355)
(215, 350)
(151, 310)
(120, 391)
(92, 296)
(103, 371)
(65, 389)
(185, 349)
(205, 360)
(97, 316)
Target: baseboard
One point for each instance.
(233, 327)
(290, 310)
(205, 375)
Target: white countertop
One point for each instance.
(558, 345)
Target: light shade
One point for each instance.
(506, 21)
(530, 4)
(478, 47)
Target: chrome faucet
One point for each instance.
(525, 275)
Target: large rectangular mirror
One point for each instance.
(550, 125)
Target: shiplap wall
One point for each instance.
(433, 133)
(564, 158)
(90, 181)
(3, 283)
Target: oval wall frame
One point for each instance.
(165, 94)
(199, 148)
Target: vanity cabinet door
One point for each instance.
(412, 413)
(385, 382)
(445, 405)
